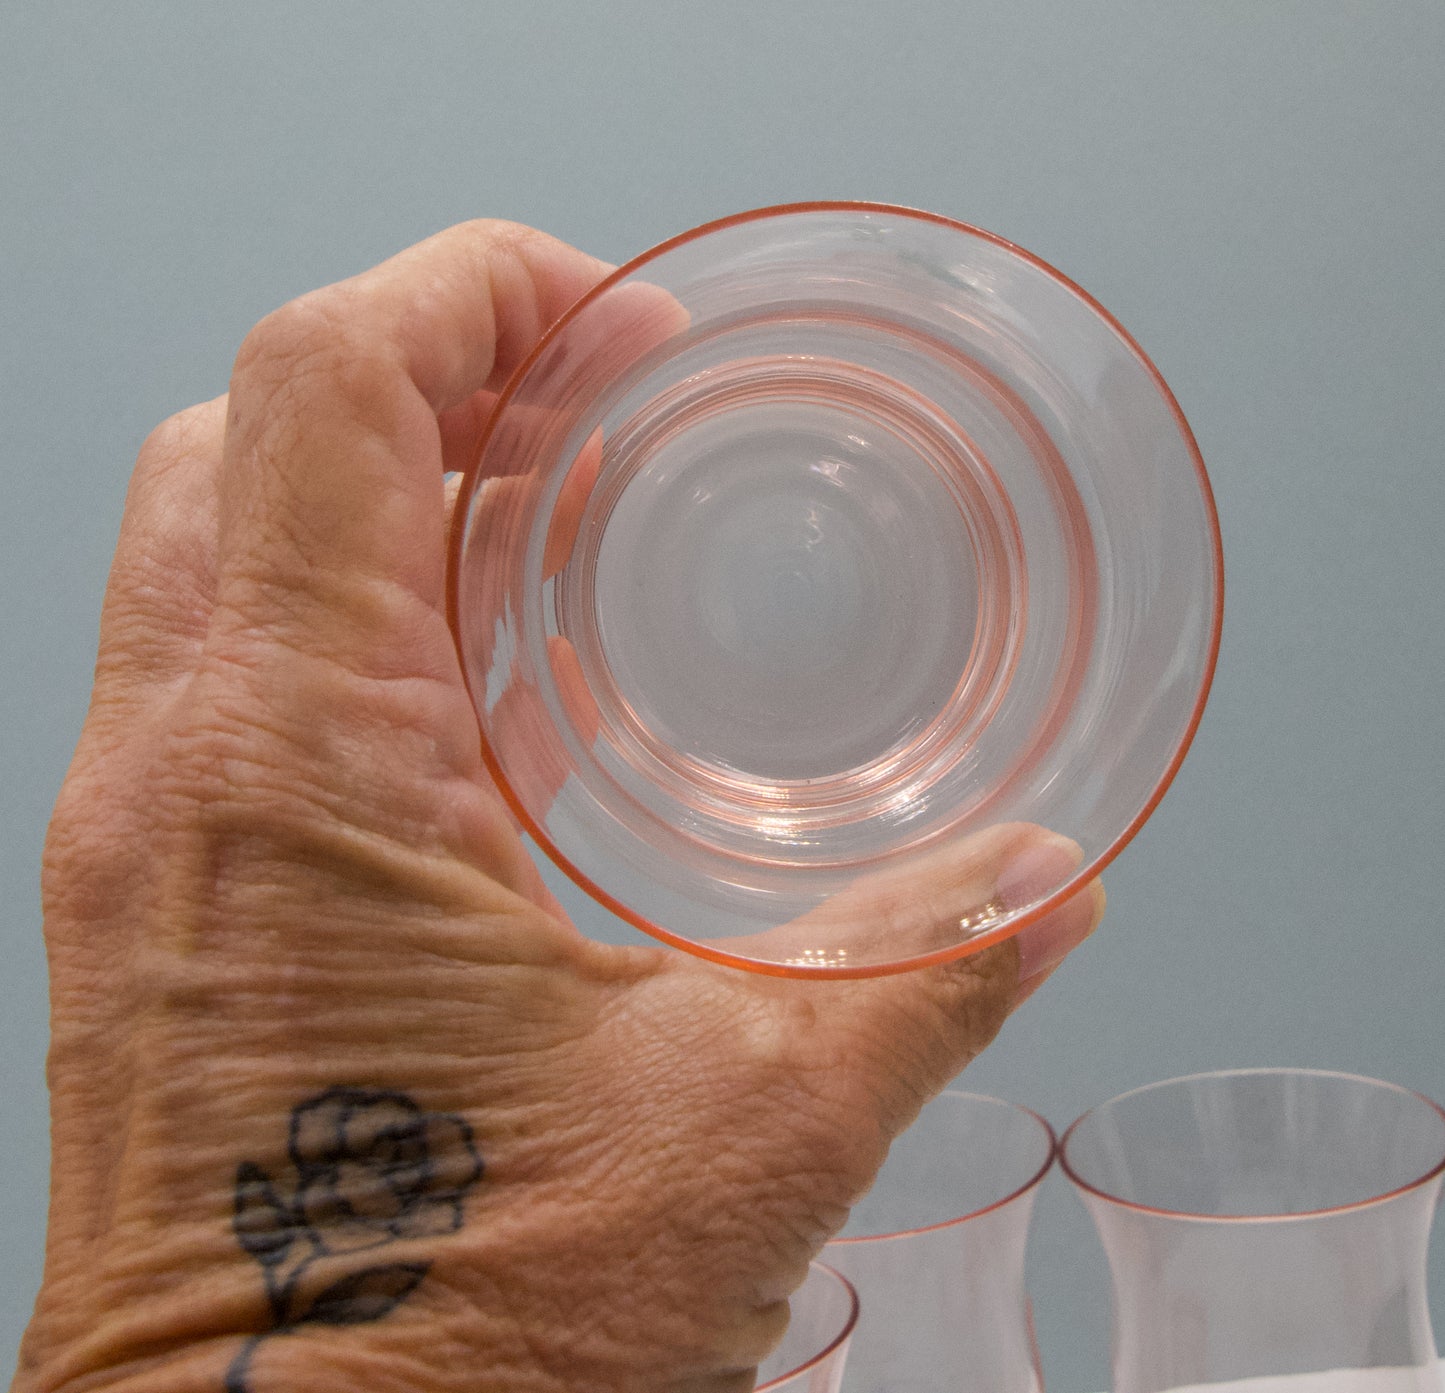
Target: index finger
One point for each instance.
(332, 472)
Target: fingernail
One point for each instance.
(1038, 870)
(1045, 944)
(1035, 873)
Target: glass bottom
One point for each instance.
(794, 589)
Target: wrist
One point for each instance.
(205, 1335)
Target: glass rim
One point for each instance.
(838, 1339)
(1190, 1216)
(1088, 870)
(1032, 1183)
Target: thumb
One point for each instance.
(905, 1036)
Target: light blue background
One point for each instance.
(1256, 189)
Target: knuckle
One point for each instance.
(501, 236)
(176, 438)
(294, 334)
(319, 344)
(85, 864)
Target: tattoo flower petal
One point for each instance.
(371, 1168)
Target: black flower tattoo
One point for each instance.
(370, 1168)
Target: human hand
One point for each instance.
(340, 1100)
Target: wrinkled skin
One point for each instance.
(277, 866)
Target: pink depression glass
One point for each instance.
(810, 1359)
(1266, 1229)
(813, 541)
(936, 1251)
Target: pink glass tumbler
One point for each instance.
(824, 1311)
(812, 545)
(1265, 1228)
(936, 1250)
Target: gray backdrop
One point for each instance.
(1256, 189)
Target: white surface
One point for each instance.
(1332, 1381)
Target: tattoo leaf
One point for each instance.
(264, 1226)
(364, 1296)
